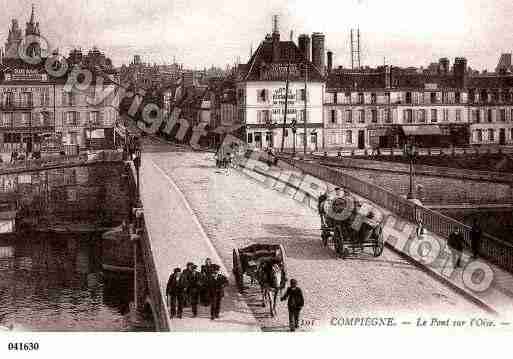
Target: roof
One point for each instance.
(261, 66)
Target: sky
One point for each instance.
(201, 33)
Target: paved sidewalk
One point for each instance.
(176, 238)
(497, 298)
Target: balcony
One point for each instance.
(16, 105)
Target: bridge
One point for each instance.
(190, 210)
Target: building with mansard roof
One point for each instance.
(262, 93)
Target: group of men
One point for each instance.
(192, 287)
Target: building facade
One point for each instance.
(261, 88)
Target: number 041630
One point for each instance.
(19, 346)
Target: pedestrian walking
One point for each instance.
(455, 243)
(185, 281)
(175, 293)
(193, 290)
(475, 239)
(295, 303)
(216, 285)
(419, 231)
(206, 273)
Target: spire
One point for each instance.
(32, 15)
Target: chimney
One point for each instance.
(276, 39)
(443, 66)
(330, 61)
(318, 51)
(304, 46)
(460, 69)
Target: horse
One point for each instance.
(271, 278)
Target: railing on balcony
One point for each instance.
(494, 249)
(17, 105)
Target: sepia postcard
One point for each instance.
(313, 169)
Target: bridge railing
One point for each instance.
(493, 249)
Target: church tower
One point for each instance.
(32, 29)
(14, 40)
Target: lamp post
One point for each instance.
(410, 151)
(294, 130)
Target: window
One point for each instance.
(446, 114)
(26, 99)
(361, 117)
(457, 97)
(374, 116)
(387, 116)
(250, 138)
(421, 115)
(72, 118)
(408, 116)
(476, 116)
(94, 118)
(360, 98)
(471, 96)
(263, 117)
(302, 94)
(434, 115)
(479, 136)
(387, 97)
(73, 138)
(458, 115)
(7, 119)
(408, 97)
(489, 112)
(335, 98)
(349, 136)
(45, 98)
(9, 98)
(503, 115)
(25, 119)
(432, 97)
(262, 95)
(68, 99)
(483, 96)
(491, 135)
(349, 116)
(374, 98)
(333, 116)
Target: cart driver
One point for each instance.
(367, 227)
(320, 206)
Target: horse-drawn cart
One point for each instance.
(265, 264)
(348, 233)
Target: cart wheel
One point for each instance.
(237, 270)
(380, 244)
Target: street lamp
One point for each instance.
(410, 151)
(294, 130)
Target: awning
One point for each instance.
(422, 130)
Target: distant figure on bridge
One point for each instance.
(295, 303)
(475, 237)
(216, 285)
(175, 293)
(455, 243)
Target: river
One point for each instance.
(50, 283)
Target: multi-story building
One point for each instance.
(387, 106)
(262, 92)
(36, 109)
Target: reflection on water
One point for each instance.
(56, 284)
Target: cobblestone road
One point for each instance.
(237, 211)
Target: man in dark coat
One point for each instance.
(185, 282)
(206, 273)
(455, 243)
(216, 284)
(295, 303)
(193, 290)
(175, 293)
(475, 237)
